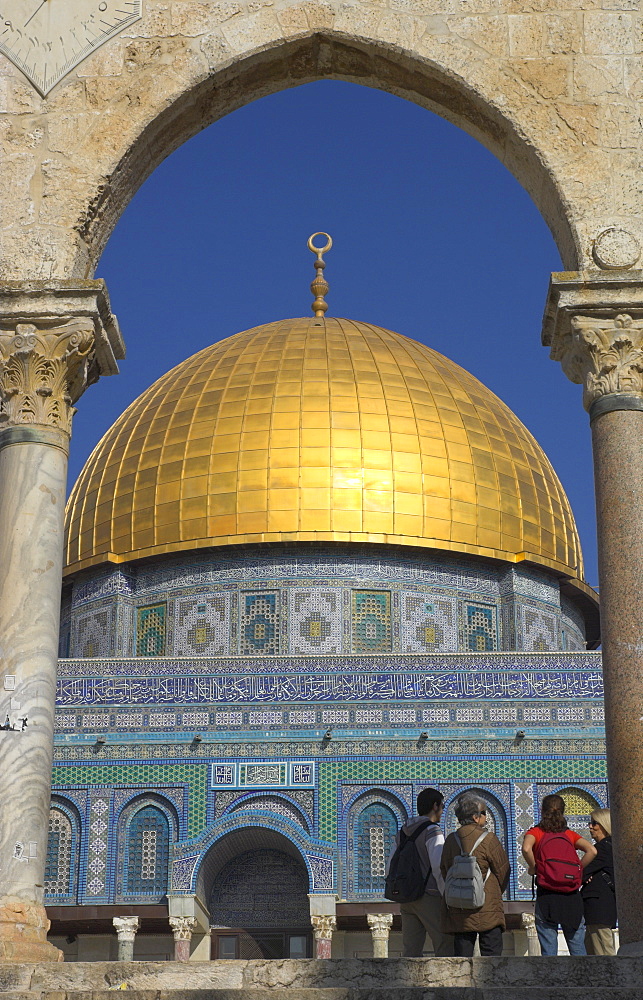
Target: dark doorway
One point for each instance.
(257, 943)
(259, 907)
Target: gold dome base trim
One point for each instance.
(191, 545)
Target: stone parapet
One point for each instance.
(550, 976)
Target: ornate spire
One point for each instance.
(319, 286)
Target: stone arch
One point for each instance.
(61, 868)
(171, 83)
(373, 818)
(254, 876)
(147, 827)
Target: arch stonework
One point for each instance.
(553, 94)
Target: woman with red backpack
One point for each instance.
(550, 850)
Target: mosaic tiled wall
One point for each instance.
(355, 808)
(150, 630)
(202, 627)
(371, 621)
(259, 623)
(311, 600)
(428, 625)
(316, 621)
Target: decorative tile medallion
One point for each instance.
(259, 623)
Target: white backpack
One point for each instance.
(464, 884)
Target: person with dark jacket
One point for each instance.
(489, 921)
(599, 897)
(422, 916)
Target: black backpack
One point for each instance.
(405, 881)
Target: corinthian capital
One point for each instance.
(603, 355)
(183, 927)
(55, 339)
(380, 924)
(323, 926)
(594, 326)
(42, 372)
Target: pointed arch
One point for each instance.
(147, 828)
(373, 818)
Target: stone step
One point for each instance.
(334, 979)
(350, 993)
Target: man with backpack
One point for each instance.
(550, 850)
(414, 879)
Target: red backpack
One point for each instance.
(557, 866)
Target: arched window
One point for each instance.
(579, 805)
(148, 853)
(496, 817)
(375, 831)
(61, 854)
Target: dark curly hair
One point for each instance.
(552, 814)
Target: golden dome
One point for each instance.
(318, 430)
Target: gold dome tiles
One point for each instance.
(338, 432)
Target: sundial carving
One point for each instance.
(48, 38)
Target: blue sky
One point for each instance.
(433, 238)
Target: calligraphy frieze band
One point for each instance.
(328, 688)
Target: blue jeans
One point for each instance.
(548, 937)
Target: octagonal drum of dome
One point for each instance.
(318, 430)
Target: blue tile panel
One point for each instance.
(150, 630)
(316, 600)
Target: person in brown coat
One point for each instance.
(489, 921)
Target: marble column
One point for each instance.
(380, 925)
(126, 928)
(594, 324)
(323, 927)
(182, 928)
(528, 923)
(54, 341)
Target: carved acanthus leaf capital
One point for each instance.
(323, 926)
(380, 924)
(43, 371)
(604, 355)
(183, 927)
(126, 927)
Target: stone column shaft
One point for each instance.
(528, 922)
(594, 324)
(323, 927)
(617, 441)
(380, 925)
(126, 928)
(32, 504)
(54, 340)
